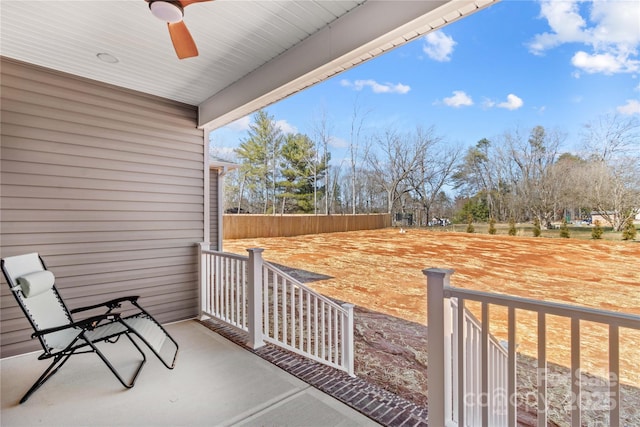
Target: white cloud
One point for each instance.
(609, 29)
(630, 108)
(376, 87)
(240, 124)
(286, 127)
(337, 142)
(459, 99)
(605, 63)
(512, 103)
(438, 46)
(488, 103)
(224, 153)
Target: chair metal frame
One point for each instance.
(83, 342)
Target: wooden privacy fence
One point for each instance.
(243, 226)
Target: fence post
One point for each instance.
(347, 340)
(255, 298)
(204, 279)
(437, 397)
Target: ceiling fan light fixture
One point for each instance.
(167, 11)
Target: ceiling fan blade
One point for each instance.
(182, 41)
(186, 3)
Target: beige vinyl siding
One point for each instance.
(107, 185)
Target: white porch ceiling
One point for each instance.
(252, 52)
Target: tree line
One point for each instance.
(417, 174)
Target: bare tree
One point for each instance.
(613, 190)
(357, 122)
(392, 158)
(322, 135)
(612, 136)
(436, 164)
(533, 182)
(612, 145)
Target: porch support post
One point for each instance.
(347, 340)
(255, 298)
(204, 280)
(438, 350)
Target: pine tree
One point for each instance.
(470, 227)
(564, 229)
(492, 225)
(300, 169)
(259, 155)
(629, 231)
(536, 227)
(512, 227)
(597, 231)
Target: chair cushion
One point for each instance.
(36, 283)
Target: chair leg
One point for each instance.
(57, 363)
(114, 370)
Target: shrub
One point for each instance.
(564, 229)
(629, 231)
(470, 227)
(512, 227)
(597, 231)
(536, 227)
(492, 225)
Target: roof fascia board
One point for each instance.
(382, 25)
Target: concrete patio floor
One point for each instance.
(215, 383)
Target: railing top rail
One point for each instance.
(301, 285)
(558, 309)
(226, 255)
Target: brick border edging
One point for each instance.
(376, 403)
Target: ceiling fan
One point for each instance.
(172, 13)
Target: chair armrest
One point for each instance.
(114, 303)
(85, 324)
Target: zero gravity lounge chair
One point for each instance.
(62, 337)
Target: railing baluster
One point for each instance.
(542, 369)
(309, 317)
(460, 351)
(326, 330)
(301, 326)
(232, 291)
(576, 395)
(276, 312)
(285, 312)
(266, 301)
(217, 284)
(330, 334)
(315, 326)
(292, 314)
(512, 415)
(336, 331)
(244, 296)
(484, 400)
(614, 376)
(225, 283)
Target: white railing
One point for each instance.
(271, 306)
(451, 370)
(467, 334)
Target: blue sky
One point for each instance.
(514, 65)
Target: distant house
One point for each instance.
(604, 218)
